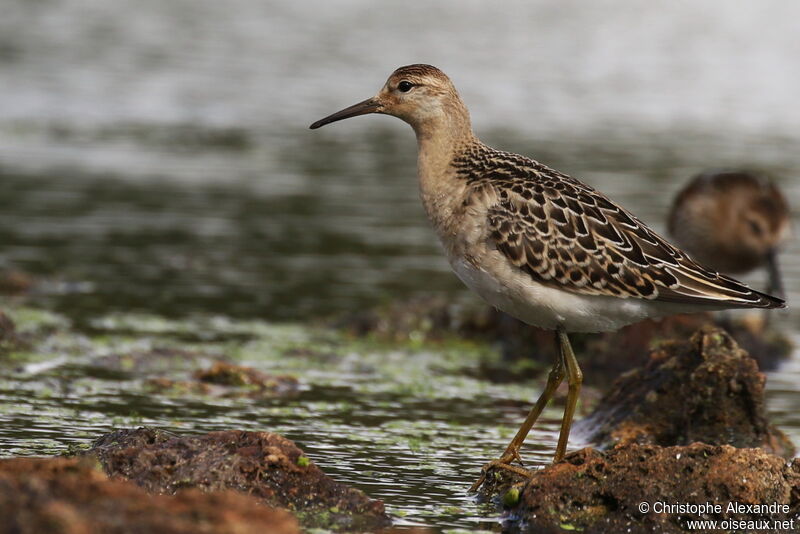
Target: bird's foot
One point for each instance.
(504, 462)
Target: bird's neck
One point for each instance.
(440, 136)
(439, 142)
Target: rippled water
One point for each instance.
(157, 160)
(406, 424)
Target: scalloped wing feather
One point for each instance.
(566, 235)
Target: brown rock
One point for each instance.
(227, 374)
(167, 385)
(224, 379)
(265, 465)
(71, 496)
(600, 492)
(707, 389)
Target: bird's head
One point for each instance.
(420, 95)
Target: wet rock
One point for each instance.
(706, 389)
(169, 386)
(227, 374)
(601, 492)
(228, 380)
(71, 496)
(261, 464)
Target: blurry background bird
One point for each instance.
(733, 221)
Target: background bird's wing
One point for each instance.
(564, 234)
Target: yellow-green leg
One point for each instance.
(574, 379)
(512, 451)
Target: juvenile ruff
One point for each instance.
(732, 221)
(538, 244)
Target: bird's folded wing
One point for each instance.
(565, 234)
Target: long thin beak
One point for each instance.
(775, 281)
(370, 105)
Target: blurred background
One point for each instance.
(156, 161)
(156, 156)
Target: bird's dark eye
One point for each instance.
(404, 86)
(755, 227)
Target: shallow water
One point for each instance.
(405, 423)
(157, 161)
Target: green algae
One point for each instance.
(33, 321)
(511, 497)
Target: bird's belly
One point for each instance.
(515, 293)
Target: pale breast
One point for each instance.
(514, 292)
(459, 219)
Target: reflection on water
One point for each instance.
(158, 160)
